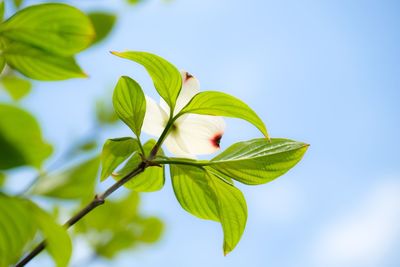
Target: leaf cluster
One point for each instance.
(204, 188)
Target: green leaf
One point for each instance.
(21, 140)
(105, 113)
(16, 86)
(115, 151)
(110, 237)
(16, 229)
(129, 103)
(3, 179)
(206, 196)
(152, 179)
(40, 65)
(2, 63)
(258, 161)
(103, 24)
(2, 7)
(166, 78)
(20, 219)
(134, 2)
(18, 3)
(58, 28)
(76, 182)
(58, 241)
(221, 104)
(152, 229)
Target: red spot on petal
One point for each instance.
(188, 76)
(216, 139)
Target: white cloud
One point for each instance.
(365, 235)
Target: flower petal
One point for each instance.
(155, 118)
(200, 134)
(190, 87)
(174, 144)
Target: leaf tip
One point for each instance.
(85, 75)
(227, 249)
(115, 53)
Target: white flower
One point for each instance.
(191, 134)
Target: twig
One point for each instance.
(97, 201)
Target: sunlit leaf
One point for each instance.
(152, 229)
(129, 103)
(166, 78)
(221, 104)
(17, 87)
(20, 219)
(126, 230)
(258, 161)
(21, 141)
(16, 229)
(57, 239)
(115, 151)
(207, 196)
(58, 28)
(40, 65)
(103, 24)
(152, 179)
(76, 182)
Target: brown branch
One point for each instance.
(97, 201)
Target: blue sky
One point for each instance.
(323, 72)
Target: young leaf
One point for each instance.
(20, 147)
(58, 241)
(207, 196)
(258, 161)
(103, 24)
(115, 151)
(221, 104)
(17, 87)
(152, 179)
(129, 103)
(50, 67)
(77, 182)
(166, 78)
(58, 28)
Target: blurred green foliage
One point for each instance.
(103, 24)
(41, 42)
(118, 226)
(20, 221)
(76, 182)
(21, 140)
(16, 86)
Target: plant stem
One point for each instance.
(97, 201)
(163, 135)
(181, 162)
